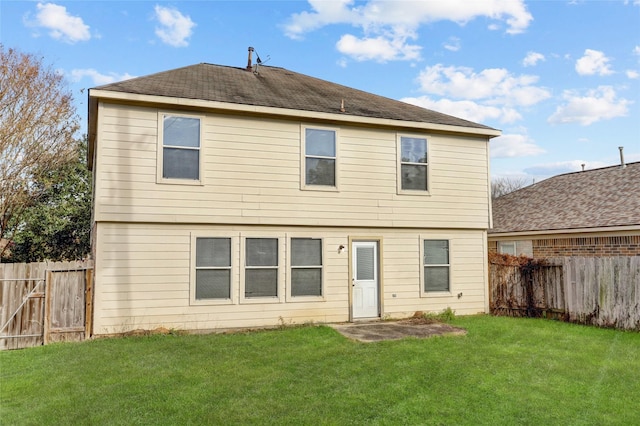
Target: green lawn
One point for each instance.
(505, 371)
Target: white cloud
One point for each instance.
(632, 74)
(390, 23)
(379, 49)
(453, 44)
(514, 145)
(96, 77)
(532, 59)
(593, 62)
(175, 28)
(324, 13)
(496, 86)
(636, 50)
(61, 25)
(491, 94)
(595, 105)
(468, 110)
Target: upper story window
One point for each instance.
(180, 157)
(413, 164)
(319, 151)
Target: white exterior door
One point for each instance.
(365, 279)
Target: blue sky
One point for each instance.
(561, 79)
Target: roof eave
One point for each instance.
(542, 232)
(95, 94)
(92, 128)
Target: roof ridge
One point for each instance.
(578, 172)
(633, 163)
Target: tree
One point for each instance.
(58, 225)
(504, 185)
(37, 126)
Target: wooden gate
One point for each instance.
(42, 303)
(66, 306)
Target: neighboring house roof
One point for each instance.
(278, 88)
(599, 198)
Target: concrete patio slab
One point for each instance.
(395, 330)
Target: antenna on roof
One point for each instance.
(258, 61)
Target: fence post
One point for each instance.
(88, 312)
(47, 307)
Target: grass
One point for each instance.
(505, 371)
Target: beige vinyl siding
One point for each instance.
(142, 277)
(402, 271)
(251, 175)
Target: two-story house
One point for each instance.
(234, 197)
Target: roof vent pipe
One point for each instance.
(249, 67)
(583, 167)
(621, 148)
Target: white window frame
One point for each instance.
(161, 146)
(432, 294)
(303, 159)
(512, 244)
(280, 268)
(399, 164)
(235, 273)
(289, 285)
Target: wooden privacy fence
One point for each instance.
(44, 302)
(602, 291)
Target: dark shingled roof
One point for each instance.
(278, 88)
(604, 197)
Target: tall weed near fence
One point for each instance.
(602, 291)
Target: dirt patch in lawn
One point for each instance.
(395, 330)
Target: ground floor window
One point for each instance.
(261, 267)
(436, 266)
(507, 247)
(213, 268)
(236, 268)
(306, 267)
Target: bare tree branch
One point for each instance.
(38, 122)
(504, 185)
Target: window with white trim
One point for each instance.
(413, 164)
(507, 247)
(306, 267)
(320, 158)
(436, 266)
(180, 156)
(261, 268)
(213, 268)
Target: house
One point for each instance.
(588, 213)
(242, 197)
